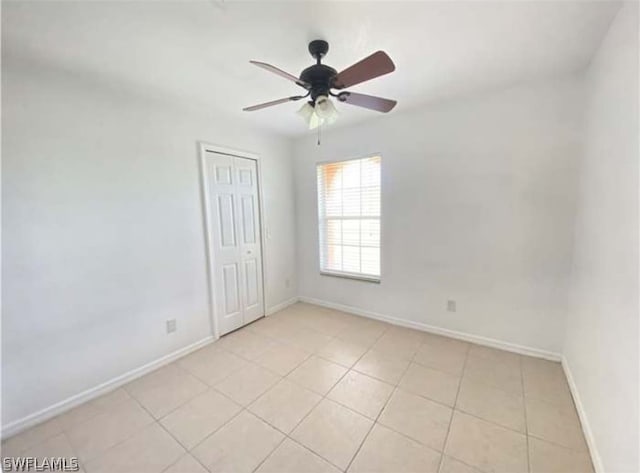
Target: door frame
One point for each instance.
(205, 148)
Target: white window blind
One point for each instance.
(349, 217)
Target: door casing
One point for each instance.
(205, 148)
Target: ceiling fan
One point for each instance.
(320, 79)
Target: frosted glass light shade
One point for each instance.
(325, 109)
(323, 112)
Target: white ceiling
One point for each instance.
(199, 50)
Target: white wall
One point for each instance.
(477, 206)
(103, 232)
(601, 346)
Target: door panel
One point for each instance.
(236, 254)
(230, 287)
(251, 275)
(227, 220)
(223, 174)
(248, 219)
(249, 236)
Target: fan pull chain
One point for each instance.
(319, 126)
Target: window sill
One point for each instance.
(357, 277)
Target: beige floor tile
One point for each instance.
(17, 444)
(284, 405)
(212, 364)
(163, 390)
(386, 451)
(54, 447)
(409, 334)
(342, 352)
(398, 344)
(151, 450)
(381, 366)
(442, 340)
(421, 419)
(290, 457)
(545, 380)
(238, 447)
(92, 408)
(545, 457)
(305, 338)
(186, 464)
(324, 323)
(492, 404)
(532, 365)
(317, 374)
(295, 309)
(269, 326)
(486, 446)
(503, 375)
(98, 434)
(245, 343)
(495, 354)
(430, 383)
(451, 465)
(199, 417)
(443, 354)
(554, 423)
(282, 358)
(361, 393)
(333, 432)
(246, 385)
(362, 332)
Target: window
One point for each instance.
(349, 218)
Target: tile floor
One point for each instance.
(316, 390)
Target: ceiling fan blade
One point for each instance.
(273, 102)
(281, 73)
(367, 101)
(370, 67)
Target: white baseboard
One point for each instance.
(58, 408)
(584, 420)
(281, 306)
(480, 340)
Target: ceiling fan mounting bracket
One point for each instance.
(318, 49)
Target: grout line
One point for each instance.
(136, 432)
(81, 464)
(571, 449)
(453, 409)
(286, 435)
(186, 450)
(341, 378)
(395, 388)
(322, 398)
(284, 438)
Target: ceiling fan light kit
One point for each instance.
(324, 112)
(319, 80)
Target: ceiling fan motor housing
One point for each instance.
(320, 77)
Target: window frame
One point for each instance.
(345, 274)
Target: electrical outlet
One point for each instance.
(171, 325)
(451, 306)
(287, 283)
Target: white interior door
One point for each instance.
(236, 251)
